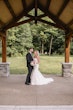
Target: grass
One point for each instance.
(48, 65)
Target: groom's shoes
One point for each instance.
(27, 83)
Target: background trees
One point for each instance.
(42, 37)
(19, 39)
(48, 39)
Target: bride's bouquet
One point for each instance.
(32, 63)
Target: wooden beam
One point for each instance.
(13, 21)
(48, 3)
(23, 13)
(40, 16)
(24, 4)
(70, 23)
(54, 18)
(9, 8)
(29, 8)
(36, 11)
(67, 48)
(63, 7)
(43, 15)
(33, 17)
(1, 22)
(22, 22)
(52, 24)
(2, 34)
(28, 15)
(3, 49)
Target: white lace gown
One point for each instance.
(37, 78)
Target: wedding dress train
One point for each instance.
(37, 78)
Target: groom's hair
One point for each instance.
(31, 48)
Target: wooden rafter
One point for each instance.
(23, 13)
(41, 16)
(29, 20)
(5, 27)
(38, 19)
(29, 8)
(52, 24)
(30, 16)
(33, 17)
(48, 3)
(2, 34)
(22, 22)
(70, 23)
(63, 7)
(24, 4)
(9, 8)
(36, 4)
(54, 18)
(1, 22)
(36, 11)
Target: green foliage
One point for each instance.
(19, 40)
(42, 34)
(71, 50)
(0, 47)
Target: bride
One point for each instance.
(36, 77)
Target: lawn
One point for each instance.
(48, 64)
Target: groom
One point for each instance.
(29, 59)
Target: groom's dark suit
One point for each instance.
(29, 59)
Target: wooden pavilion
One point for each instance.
(60, 11)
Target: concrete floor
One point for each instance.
(13, 91)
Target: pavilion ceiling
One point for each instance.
(60, 11)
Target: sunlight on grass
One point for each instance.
(18, 65)
(48, 65)
(51, 64)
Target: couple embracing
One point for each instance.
(34, 76)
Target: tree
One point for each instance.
(19, 40)
(11, 42)
(56, 39)
(39, 37)
(43, 38)
(71, 47)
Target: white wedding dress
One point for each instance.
(37, 78)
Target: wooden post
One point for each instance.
(67, 48)
(4, 49)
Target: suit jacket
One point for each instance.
(29, 58)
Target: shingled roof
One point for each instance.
(60, 11)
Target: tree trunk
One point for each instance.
(42, 48)
(50, 46)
